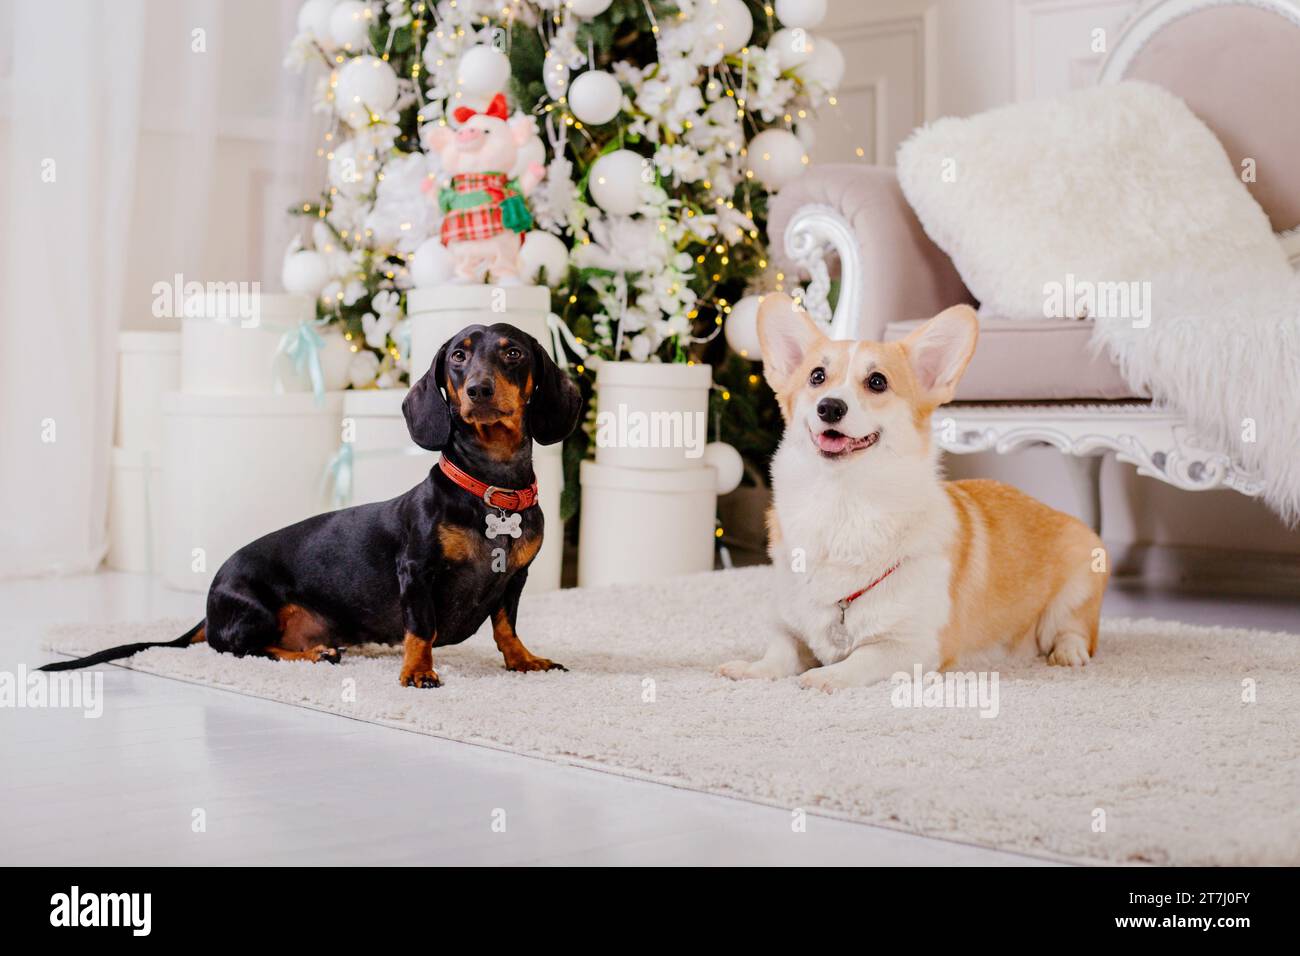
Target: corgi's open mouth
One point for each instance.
(834, 444)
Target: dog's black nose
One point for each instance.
(479, 391)
(831, 410)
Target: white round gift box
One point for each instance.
(223, 356)
(439, 312)
(237, 467)
(385, 462)
(644, 525)
(544, 572)
(134, 511)
(148, 365)
(652, 414)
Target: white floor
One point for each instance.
(276, 784)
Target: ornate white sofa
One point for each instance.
(1237, 65)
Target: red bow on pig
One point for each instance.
(496, 108)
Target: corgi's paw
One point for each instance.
(824, 679)
(1070, 650)
(742, 670)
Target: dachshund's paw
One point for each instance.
(316, 654)
(420, 679)
(535, 664)
(330, 655)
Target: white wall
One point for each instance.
(914, 60)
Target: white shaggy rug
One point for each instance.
(1152, 741)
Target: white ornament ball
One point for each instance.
(741, 328)
(365, 85)
(483, 71)
(364, 368)
(826, 69)
(589, 8)
(775, 156)
(350, 24)
(314, 20)
(352, 168)
(615, 181)
(595, 97)
(801, 13)
(305, 272)
(541, 250)
(336, 361)
(726, 461)
(555, 77)
(735, 25)
(432, 264)
(791, 47)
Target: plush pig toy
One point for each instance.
(485, 215)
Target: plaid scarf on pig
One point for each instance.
(481, 206)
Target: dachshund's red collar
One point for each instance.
(507, 499)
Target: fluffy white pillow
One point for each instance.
(1112, 184)
(1291, 246)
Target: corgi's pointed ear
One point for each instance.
(940, 350)
(786, 334)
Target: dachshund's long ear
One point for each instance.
(556, 403)
(428, 418)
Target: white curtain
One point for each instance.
(73, 94)
(132, 132)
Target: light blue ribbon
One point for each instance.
(303, 344)
(403, 340)
(338, 473)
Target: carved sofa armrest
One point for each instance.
(889, 268)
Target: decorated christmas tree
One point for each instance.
(663, 128)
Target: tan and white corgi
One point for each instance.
(883, 565)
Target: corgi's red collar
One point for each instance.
(844, 602)
(507, 499)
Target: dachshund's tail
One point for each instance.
(194, 635)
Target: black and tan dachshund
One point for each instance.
(425, 569)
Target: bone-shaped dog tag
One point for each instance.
(504, 524)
